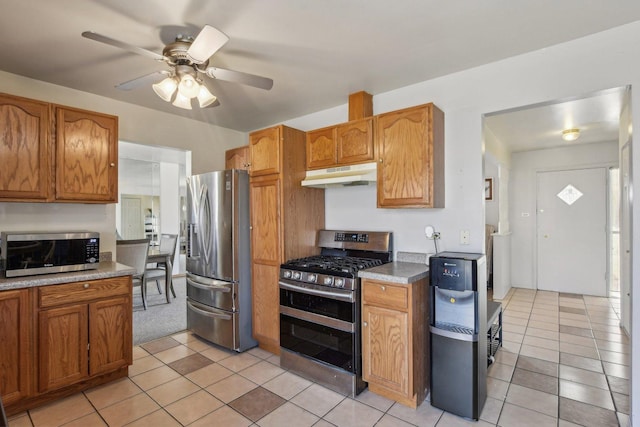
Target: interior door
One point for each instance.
(572, 232)
(132, 218)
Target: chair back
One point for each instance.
(168, 243)
(134, 254)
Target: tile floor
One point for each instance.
(564, 362)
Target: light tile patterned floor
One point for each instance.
(564, 362)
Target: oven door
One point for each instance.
(315, 324)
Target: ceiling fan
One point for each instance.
(188, 60)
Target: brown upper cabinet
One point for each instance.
(237, 158)
(25, 150)
(85, 149)
(265, 151)
(86, 156)
(410, 144)
(345, 144)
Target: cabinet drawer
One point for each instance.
(49, 296)
(384, 294)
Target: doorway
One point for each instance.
(571, 237)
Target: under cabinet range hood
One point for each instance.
(341, 176)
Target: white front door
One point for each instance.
(572, 232)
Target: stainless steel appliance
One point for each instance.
(24, 253)
(320, 335)
(458, 328)
(219, 259)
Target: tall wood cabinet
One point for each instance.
(395, 340)
(410, 145)
(284, 220)
(56, 153)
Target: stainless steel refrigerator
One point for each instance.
(219, 259)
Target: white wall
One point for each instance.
(523, 197)
(491, 210)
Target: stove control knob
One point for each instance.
(328, 281)
(312, 278)
(339, 283)
(287, 274)
(297, 275)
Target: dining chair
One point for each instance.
(159, 271)
(134, 254)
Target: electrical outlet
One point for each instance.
(464, 237)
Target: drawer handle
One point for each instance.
(86, 286)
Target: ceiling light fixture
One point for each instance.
(186, 86)
(570, 134)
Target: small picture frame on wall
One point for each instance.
(488, 188)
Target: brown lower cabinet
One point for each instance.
(395, 352)
(63, 339)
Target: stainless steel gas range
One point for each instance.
(320, 335)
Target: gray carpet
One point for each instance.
(159, 319)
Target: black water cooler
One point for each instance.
(458, 285)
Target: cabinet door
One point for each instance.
(86, 156)
(25, 150)
(63, 340)
(385, 348)
(355, 142)
(110, 335)
(266, 253)
(264, 151)
(321, 148)
(15, 336)
(237, 158)
(405, 166)
(266, 306)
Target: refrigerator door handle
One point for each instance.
(209, 313)
(209, 287)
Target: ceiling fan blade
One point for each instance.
(240, 77)
(208, 41)
(142, 80)
(117, 43)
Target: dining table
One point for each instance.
(155, 255)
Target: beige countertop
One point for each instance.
(396, 272)
(105, 270)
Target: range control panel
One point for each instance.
(352, 237)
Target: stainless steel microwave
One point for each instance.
(29, 253)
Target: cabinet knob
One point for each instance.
(364, 324)
(380, 160)
(86, 286)
(113, 165)
(384, 288)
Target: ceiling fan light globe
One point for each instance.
(188, 86)
(205, 98)
(165, 88)
(182, 101)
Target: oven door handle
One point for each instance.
(329, 322)
(317, 292)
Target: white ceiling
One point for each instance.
(317, 52)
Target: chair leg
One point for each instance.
(158, 286)
(143, 292)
